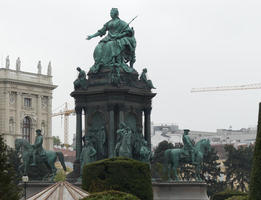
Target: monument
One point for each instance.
(38, 164)
(115, 100)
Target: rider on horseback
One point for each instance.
(38, 146)
(188, 148)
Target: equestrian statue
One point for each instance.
(189, 154)
(38, 163)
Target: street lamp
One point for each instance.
(25, 179)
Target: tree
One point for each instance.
(238, 166)
(56, 141)
(8, 187)
(157, 169)
(255, 184)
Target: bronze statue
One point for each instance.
(38, 147)
(175, 157)
(80, 82)
(188, 149)
(117, 48)
(88, 153)
(143, 78)
(43, 166)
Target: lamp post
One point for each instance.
(25, 179)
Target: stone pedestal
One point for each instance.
(105, 104)
(180, 191)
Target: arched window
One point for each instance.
(11, 125)
(27, 128)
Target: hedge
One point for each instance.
(238, 198)
(111, 195)
(121, 174)
(226, 194)
(255, 180)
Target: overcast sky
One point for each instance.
(183, 43)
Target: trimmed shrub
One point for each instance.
(238, 198)
(111, 195)
(255, 181)
(228, 193)
(121, 174)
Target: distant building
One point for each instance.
(25, 104)
(244, 136)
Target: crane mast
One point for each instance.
(66, 113)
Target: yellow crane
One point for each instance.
(227, 88)
(66, 113)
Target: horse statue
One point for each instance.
(45, 167)
(175, 157)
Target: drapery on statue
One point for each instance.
(189, 154)
(117, 48)
(143, 78)
(43, 161)
(88, 153)
(80, 82)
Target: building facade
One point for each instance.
(26, 105)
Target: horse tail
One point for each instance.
(61, 159)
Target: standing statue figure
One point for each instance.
(80, 82)
(189, 149)
(39, 67)
(143, 78)
(7, 62)
(117, 48)
(120, 132)
(49, 69)
(145, 153)
(38, 147)
(18, 64)
(88, 153)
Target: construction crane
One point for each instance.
(226, 88)
(66, 113)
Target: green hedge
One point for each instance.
(226, 194)
(121, 174)
(238, 198)
(111, 195)
(255, 181)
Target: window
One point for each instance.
(27, 128)
(28, 102)
(11, 126)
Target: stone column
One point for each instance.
(78, 111)
(7, 111)
(121, 112)
(17, 116)
(85, 120)
(48, 128)
(39, 106)
(147, 122)
(111, 137)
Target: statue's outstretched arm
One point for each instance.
(100, 32)
(94, 35)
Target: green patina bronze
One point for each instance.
(117, 48)
(88, 153)
(81, 81)
(143, 78)
(38, 163)
(189, 154)
(115, 101)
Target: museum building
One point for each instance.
(25, 104)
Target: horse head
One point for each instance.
(204, 146)
(19, 143)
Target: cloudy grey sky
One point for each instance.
(183, 43)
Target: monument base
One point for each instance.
(180, 191)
